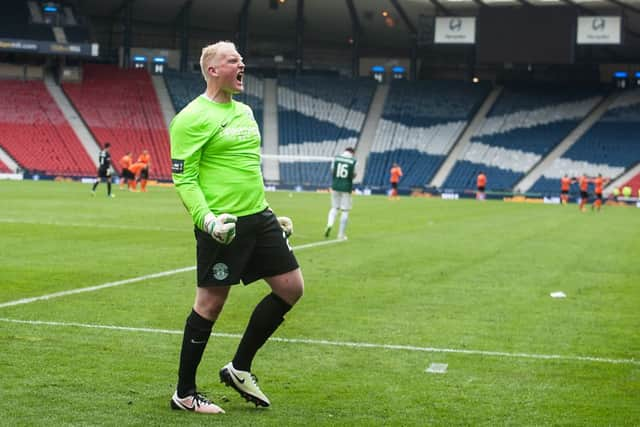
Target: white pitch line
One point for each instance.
(132, 280)
(95, 288)
(315, 244)
(349, 344)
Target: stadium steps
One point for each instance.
(69, 16)
(73, 118)
(271, 166)
(536, 172)
(59, 35)
(164, 99)
(458, 148)
(630, 177)
(8, 161)
(35, 12)
(4, 168)
(368, 134)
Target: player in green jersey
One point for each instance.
(343, 171)
(215, 155)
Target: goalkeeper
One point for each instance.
(215, 151)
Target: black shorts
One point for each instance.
(127, 174)
(144, 173)
(104, 172)
(394, 185)
(584, 195)
(564, 192)
(259, 250)
(599, 196)
(481, 189)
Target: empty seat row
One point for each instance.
(318, 116)
(35, 133)
(120, 106)
(421, 121)
(523, 126)
(609, 147)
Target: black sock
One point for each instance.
(266, 318)
(109, 188)
(95, 184)
(196, 334)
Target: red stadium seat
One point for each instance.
(120, 106)
(36, 134)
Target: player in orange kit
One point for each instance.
(145, 159)
(126, 177)
(565, 184)
(136, 169)
(481, 183)
(583, 182)
(598, 182)
(395, 173)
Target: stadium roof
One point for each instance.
(329, 20)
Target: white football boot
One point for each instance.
(245, 383)
(195, 402)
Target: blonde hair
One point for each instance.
(209, 53)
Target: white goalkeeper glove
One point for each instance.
(222, 227)
(286, 224)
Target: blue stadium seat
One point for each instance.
(609, 148)
(318, 116)
(420, 123)
(524, 125)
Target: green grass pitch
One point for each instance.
(419, 281)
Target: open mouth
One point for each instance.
(239, 77)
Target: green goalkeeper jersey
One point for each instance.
(342, 172)
(215, 159)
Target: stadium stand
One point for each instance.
(608, 148)
(524, 125)
(34, 132)
(318, 116)
(184, 87)
(420, 123)
(121, 107)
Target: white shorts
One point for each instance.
(341, 200)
